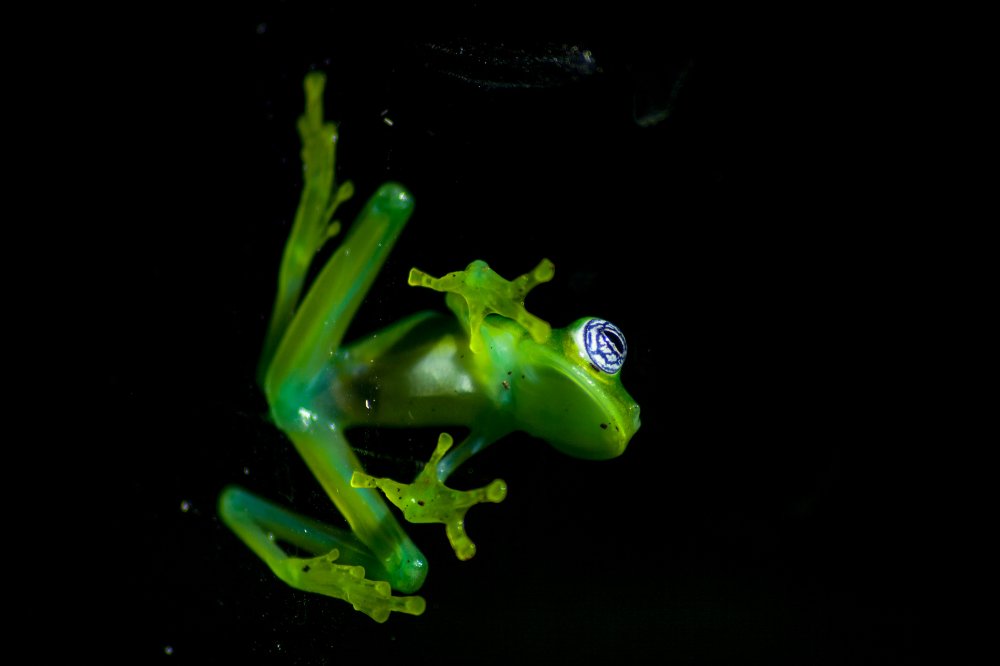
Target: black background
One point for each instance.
(767, 511)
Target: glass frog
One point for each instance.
(492, 368)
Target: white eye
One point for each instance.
(604, 344)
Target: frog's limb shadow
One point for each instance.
(428, 500)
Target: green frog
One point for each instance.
(491, 367)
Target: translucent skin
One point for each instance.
(493, 368)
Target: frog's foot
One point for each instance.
(321, 196)
(485, 292)
(324, 575)
(428, 500)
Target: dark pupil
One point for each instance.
(614, 341)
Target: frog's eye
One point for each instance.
(604, 345)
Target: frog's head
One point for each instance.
(570, 392)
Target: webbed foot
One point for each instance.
(428, 500)
(485, 292)
(324, 575)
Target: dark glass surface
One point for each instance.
(688, 190)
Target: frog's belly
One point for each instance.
(432, 389)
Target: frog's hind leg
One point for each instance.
(302, 336)
(313, 225)
(340, 565)
(320, 322)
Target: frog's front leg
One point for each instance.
(429, 500)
